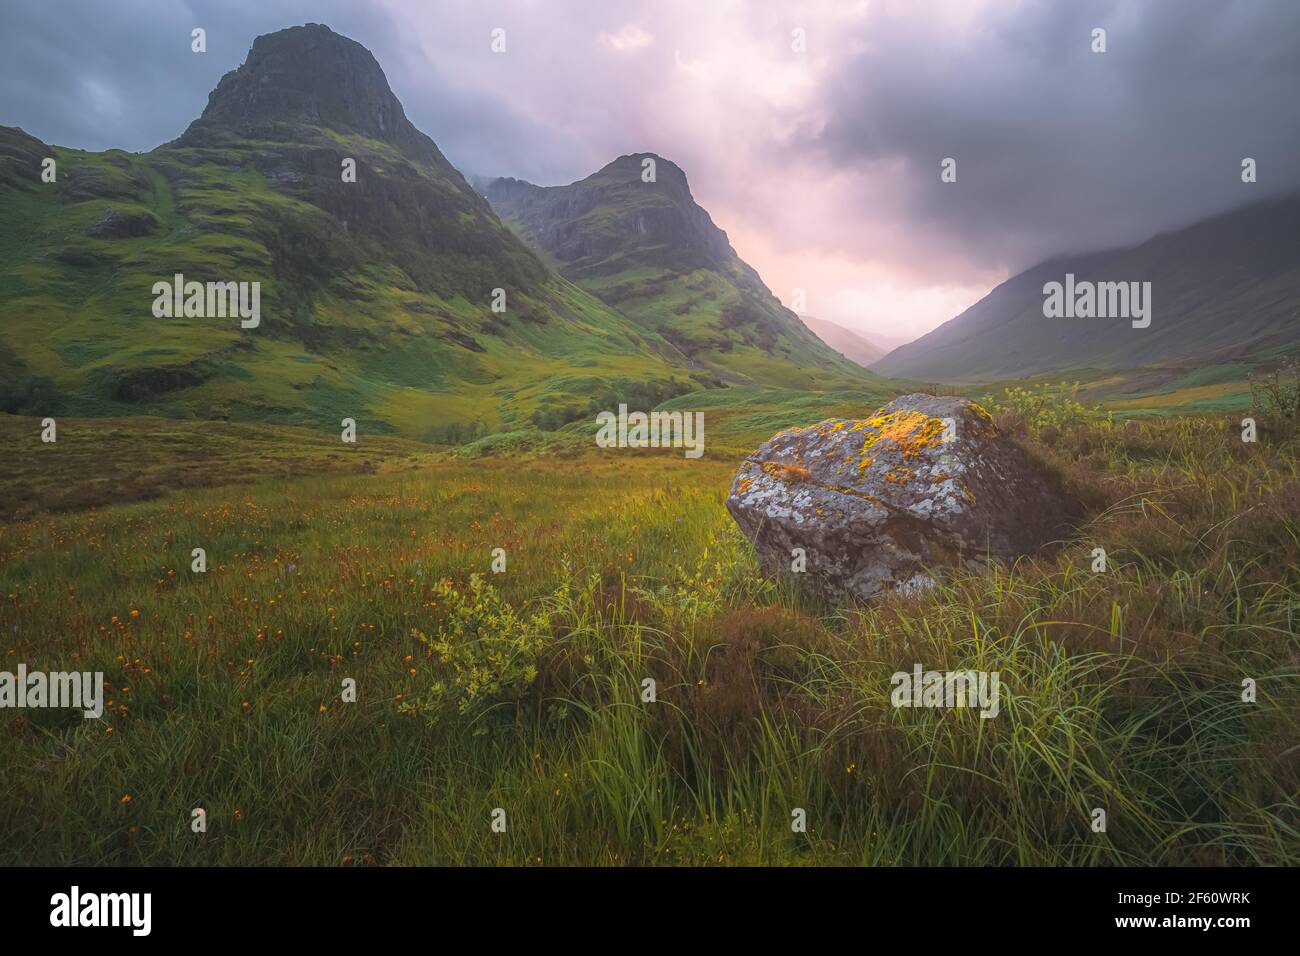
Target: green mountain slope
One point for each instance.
(648, 250)
(1223, 291)
(375, 294)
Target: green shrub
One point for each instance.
(1048, 406)
(484, 652)
(1275, 396)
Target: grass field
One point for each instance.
(522, 690)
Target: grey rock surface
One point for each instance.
(883, 503)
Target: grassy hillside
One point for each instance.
(1225, 291)
(521, 690)
(651, 252)
(1223, 387)
(375, 294)
(340, 336)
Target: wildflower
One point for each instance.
(126, 798)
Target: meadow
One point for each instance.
(523, 690)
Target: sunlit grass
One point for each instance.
(1121, 691)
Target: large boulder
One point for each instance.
(880, 504)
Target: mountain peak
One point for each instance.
(629, 168)
(633, 213)
(651, 251)
(306, 76)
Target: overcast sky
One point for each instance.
(822, 166)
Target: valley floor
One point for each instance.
(524, 690)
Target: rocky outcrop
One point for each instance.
(130, 224)
(305, 101)
(884, 503)
(20, 158)
(308, 76)
(587, 224)
(648, 249)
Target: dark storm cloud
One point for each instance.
(1059, 148)
(96, 75)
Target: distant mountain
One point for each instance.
(376, 294)
(650, 251)
(1225, 288)
(848, 343)
(887, 343)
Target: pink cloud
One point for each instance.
(630, 38)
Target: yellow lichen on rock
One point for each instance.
(784, 472)
(910, 432)
(982, 421)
